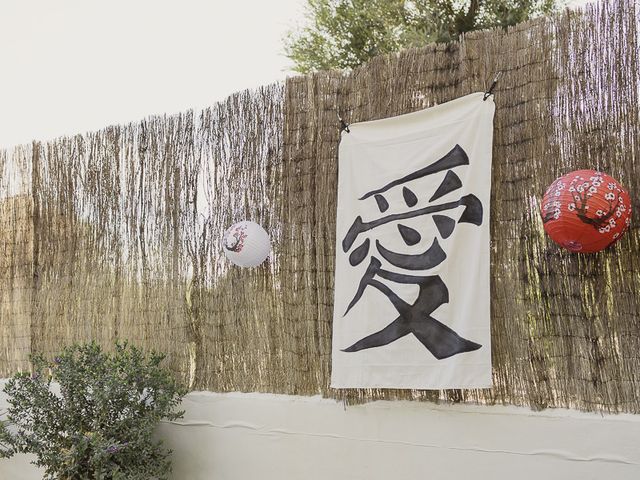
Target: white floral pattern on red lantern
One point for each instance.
(586, 211)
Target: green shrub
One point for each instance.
(99, 425)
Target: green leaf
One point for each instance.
(343, 34)
(100, 424)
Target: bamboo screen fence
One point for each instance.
(116, 234)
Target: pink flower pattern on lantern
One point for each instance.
(239, 235)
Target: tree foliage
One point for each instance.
(346, 33)
(99, 424)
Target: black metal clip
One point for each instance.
(343, 125)
(489, 92)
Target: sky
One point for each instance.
(71, 66)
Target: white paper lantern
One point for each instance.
(246, 244)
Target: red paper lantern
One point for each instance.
(586, 211)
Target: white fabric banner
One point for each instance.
(412, 307)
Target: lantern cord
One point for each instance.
(343, 125)
(489, 92)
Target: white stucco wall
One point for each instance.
(245, 436)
